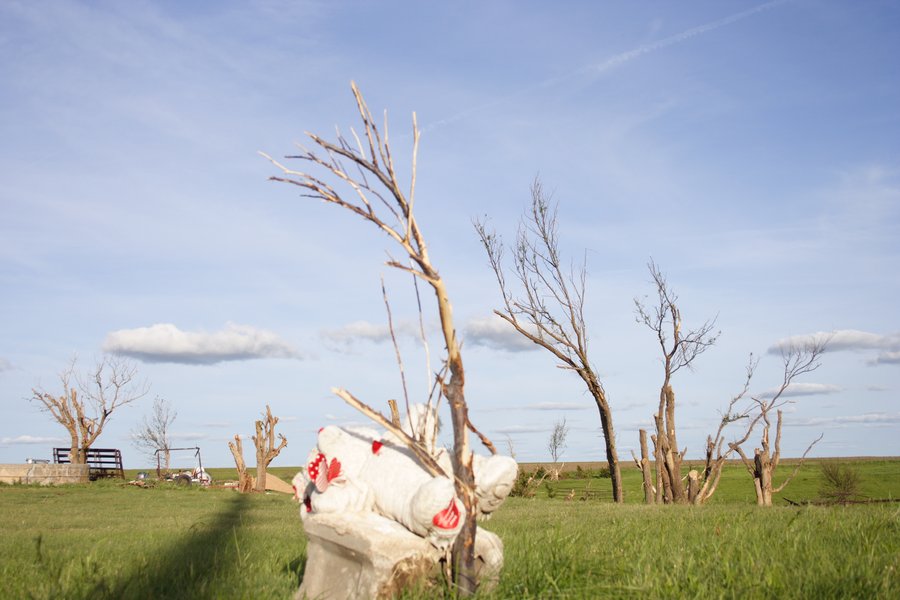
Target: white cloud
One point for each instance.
(847, 340)
(164, 342)
(31, 439)
(877, 388)
(494, 332)
(804, 389)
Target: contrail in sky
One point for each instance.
(618, 60)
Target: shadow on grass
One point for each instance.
(207, 555)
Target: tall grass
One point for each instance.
(108, 540)
(593, 550)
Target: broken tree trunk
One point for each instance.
(649, 492)
(266, 451)
(245, 481)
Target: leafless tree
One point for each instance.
(510, 448)
(375, 193)
(88, 401)
(266, 450)
(557, 444)
(153, 434)
(702, 486)
(680, 350)
(550, 308)
(796, 360)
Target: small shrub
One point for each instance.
(527, 484)
(603, 473)
(551, 491)
(581, 473)
(840, 483)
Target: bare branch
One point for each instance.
(428, 461)
(799, 464)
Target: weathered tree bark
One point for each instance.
(266, 451)
(245, 481)
(609, 439)
(649, 493)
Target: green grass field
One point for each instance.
(109, 540)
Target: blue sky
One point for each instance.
(751, 149)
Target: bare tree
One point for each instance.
(550, 308)
(557, 444)
(153, 434)
(88, 401)
(796, 360)
(702, 486)
(266, 450)
(680, 349)
(510, 448)
(376, 194)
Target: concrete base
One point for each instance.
(368, 556)
(44, 474)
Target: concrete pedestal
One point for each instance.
(366, 556)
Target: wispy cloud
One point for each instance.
(847, 340)
(804, 389)
(189, 436)
(494, 332)
(165, 343)
(887, 358)
(522, 429)
(31, 440)
(868, 419)
(596, 69)
(877, 388)
(557, 406)
(345, 337)
(5, 365)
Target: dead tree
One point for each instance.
(266, 451)
(556, 445)
(797, 360)
(87, 402)
(245, 480)
(702, 486)
(376, 194)
(153, 435)
(679, 350)
(550, 309)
